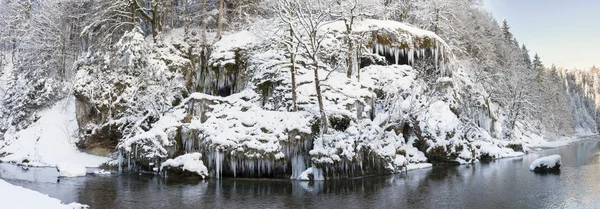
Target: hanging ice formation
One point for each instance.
(410, 55)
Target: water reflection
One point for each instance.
(504, 183)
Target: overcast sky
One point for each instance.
(566, 33)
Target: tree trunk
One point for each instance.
(324, 122)
(155, 21)
(132, 13)
(358, 62)
(203, 21)
(14, 48)
(220, 20)
(186, 27)
(437, 19)
(350, 61)
(293, 70)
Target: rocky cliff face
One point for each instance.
(232, 103)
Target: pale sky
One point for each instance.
(566, 33)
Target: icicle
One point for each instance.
(318, 174)
(435, 56)
(218, 163)
(298, 166)
(129, 161)
(233, 164)
(120, 161)
(397, 55)
(411, 54)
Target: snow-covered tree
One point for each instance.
(538, 66)
(506, 31)
(526, 57)
(306, 19)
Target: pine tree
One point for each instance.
(538, 67)
(526, 57)
(506, 31)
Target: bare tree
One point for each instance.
(220, 21)
(306, 19)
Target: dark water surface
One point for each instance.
(503, 183)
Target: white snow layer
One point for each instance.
(50, 140)
(71, 170)
(12, 196)
(418, 166)
(373, 25)
(189, 162)
(548, 161)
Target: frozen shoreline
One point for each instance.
(12, 196)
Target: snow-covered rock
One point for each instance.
(71, 170)
(546, 164)
(12, 196)
(188, 162)
(311, 173)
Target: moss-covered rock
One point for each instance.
(516, 147)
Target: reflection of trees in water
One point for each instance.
(501, 183)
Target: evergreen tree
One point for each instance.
(526, 57)
(506, 31)
(538, 67)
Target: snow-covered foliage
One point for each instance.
(132, 86)
(41, 56)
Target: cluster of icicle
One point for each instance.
(412, 53)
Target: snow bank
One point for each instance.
(71, 170)
(496, 151)
(418, 166)
(224, 49)
(12, 196)
(546, 164)
(50, 140)
(188, 162)
(374, 25)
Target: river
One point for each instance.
(505, 183)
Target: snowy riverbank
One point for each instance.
(49, 141)
(12, 196)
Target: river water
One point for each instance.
(505, 183)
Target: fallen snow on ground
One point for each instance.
(50, 140)
(189, 162)
(71, 170)
(498, 152)
(12, 196)
(418, 166)
(548, 161)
